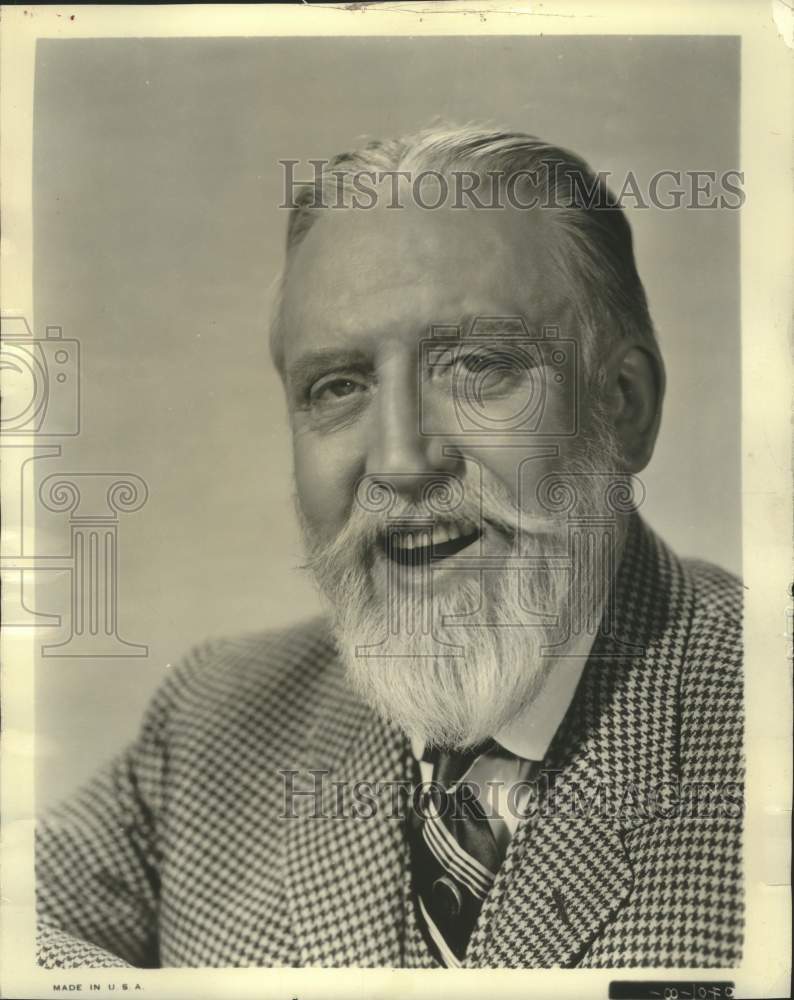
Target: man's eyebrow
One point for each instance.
(314, 363)
(479, 324)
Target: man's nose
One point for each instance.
(400, 453)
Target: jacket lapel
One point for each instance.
(345, 866)
(567, 874)
(556, 890)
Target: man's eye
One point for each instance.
(480, 362)
(482, 373)
(331, 391)
(494, 363)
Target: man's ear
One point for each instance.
(635, 390)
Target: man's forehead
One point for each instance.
(374, 272)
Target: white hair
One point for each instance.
(597, 255)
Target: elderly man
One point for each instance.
(516, 741)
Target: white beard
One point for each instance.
(512, 618)
(455, 685)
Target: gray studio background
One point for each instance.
(157, 236)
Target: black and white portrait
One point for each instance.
(377, 430)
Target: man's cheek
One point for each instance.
(325, 487)
(519, 465)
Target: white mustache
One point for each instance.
(489, 504)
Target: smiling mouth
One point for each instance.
(414, 547)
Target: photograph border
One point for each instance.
(767, 266)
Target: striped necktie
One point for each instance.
(457, 844)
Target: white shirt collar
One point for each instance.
(530, 734)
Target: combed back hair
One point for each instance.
(596, 253)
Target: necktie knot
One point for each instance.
(449, 766)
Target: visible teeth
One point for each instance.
(420, 538)
(409, 540)
(451, 532)
(442, 534)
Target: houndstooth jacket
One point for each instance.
(182, 852)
